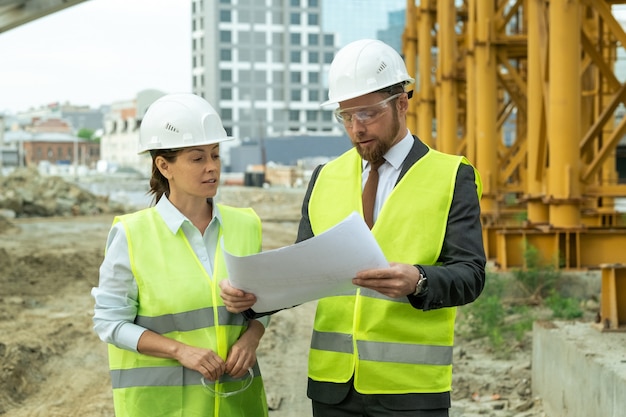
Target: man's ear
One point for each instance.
(403, 103)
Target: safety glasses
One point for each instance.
(363, 114)
(240, 384)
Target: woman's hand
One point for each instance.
(242, 354)
(205, 361)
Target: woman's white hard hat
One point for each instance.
(362, 67)
(178, 121)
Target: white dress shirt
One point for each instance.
(389, 171)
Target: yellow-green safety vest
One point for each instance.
(178, 299)
(389, 346)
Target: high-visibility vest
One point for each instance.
(179, 300)
(386, 344)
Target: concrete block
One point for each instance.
(579, 371)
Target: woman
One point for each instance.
(174, 349)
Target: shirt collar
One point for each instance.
(174, 219)
(398, 152)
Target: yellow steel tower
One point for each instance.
(527, 90)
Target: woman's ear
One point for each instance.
(163, 166)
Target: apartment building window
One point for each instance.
(313, 3)
(277, 77)
(314, 77)
(329, 40)
(244, 16)
(251, 37)
(225, 36)
(226, 75)
(294, 18)
(226, 114)
(314, 57)
(278, 94)
(225, 16)
(245, 54)
(259, 55)
(295, 39)
(294, 115)
(260, 93)
(328, 57)
(313, 19)
(226, 94)
(311, 115)
(314, 39)
(295, 56)
(314, 95)
(258, 77)
(226, 55)
(327, 115)
(296, 95)
(245, 76)
(224, 1)
(278, 116)
(296, 77)
(277, 18)
(259, 16)
(295, 3)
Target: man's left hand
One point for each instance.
(399, 280)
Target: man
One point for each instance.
(386, 348)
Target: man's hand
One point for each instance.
(235, 299)
(399, 280)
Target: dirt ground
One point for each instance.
(52, 364)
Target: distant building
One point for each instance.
(392, 34)
(306, 151)
(78, 117)
(120, 137)
(52, 148)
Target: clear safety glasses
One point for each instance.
(241, 384)
(364, 114)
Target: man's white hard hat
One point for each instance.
(362, 67)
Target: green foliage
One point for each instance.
(504, 323)
(564, 307)
(488, 317)
(88, 135)
(537, 279)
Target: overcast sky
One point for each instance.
(96, 53)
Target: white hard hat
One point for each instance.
(178, 121)
(362, 67)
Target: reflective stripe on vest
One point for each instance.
(383, 351)
(180, 300)
(380, 341)
(162, 376)
(189, 320)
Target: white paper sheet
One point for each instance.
(315, 268)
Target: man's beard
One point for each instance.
(382, 145)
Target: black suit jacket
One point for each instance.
(458, 280)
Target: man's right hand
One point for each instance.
(235, 299)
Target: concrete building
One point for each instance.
(262, 64)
